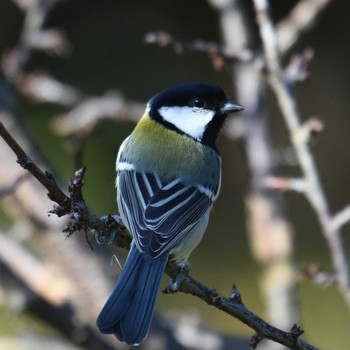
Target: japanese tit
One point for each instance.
(168, 176)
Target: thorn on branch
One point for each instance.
(75, 185)
(235, 295)
(296, 332)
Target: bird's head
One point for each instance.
(197, 110)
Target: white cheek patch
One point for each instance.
(191, 121)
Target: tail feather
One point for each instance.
(128, 311)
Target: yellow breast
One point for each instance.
(154, 148)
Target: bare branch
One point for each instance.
(90, 111)
(341, 218)
(109, 227)
(302, 18)
(74, 206)
(235, 307)
(300, 137)
(216, 53)
(297, 69)
(46, 179)
(43, 88)
(34, 37)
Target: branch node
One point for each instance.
(75, 185)
(235, 295)
(308, 130)
(216, 298)
(341, 218)
(255, 340)
(24, 161)
(296, 332)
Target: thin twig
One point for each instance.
(218, 54)
(34, 36)
(46, 179)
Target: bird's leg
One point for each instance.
(184, 269)
(108, 229)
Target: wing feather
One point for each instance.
(158, 213)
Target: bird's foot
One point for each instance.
(109, 230)
(175, 284)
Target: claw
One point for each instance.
(110, 236)
(184, 269)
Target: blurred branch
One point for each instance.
(32, 271)
(299, 134)
(11, 187)
(34, 37)
(88, 112)
(315, 273)
(49, 295)
(75, 207)
(46, 179)
(341, 218)
(43, 88)
(285, 183)
(269, 231)
(302, 18)
(216, 53)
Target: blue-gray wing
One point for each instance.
(159, 214)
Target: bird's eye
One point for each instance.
(198, 103)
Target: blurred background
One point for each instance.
(71, 98)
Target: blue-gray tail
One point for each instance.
(129, 309)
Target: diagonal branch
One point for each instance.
(45, 178)
(313, 188)
(76, 207)
(303, 17)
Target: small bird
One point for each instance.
(168, 176)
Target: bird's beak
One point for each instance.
(230, 107)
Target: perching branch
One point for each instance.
(76, 207)
(235, 307)
(46, 179)
(299, 135)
